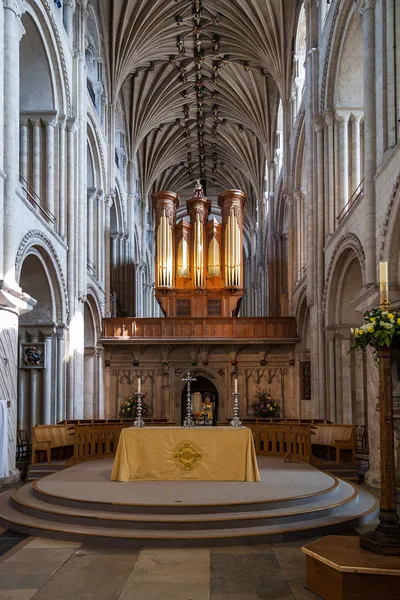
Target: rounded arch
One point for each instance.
(390, 246)
(348, 242)
(36, 242)
(346, 282)
(41, 15)
(37, 280)
(92, 321)
(206, 373)
(337, 32)
(96, 155)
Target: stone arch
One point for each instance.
(346, 383)
(43, 20)
(349, 241)
(207, 373)
(390, 245)
(337, 28)
(35, 241)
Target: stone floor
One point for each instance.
(43, 569)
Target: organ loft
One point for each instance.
(199, 263)
(199, 288)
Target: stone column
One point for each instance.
(50, 127)
(37, 157)
(22, 403)
(356, 150)
(100, 384)
(329, 120)
(69, 9)
(319, 126)
(62, 178)
(13, 31)
(24, 148)
(107, 271)
(71, 129)
(89, 383)
(342, 118)
(91, 194)
(369, 208)
(2, 174)
(47, 379)
(60, 374)
(100, 236)
(113, 263)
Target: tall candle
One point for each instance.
(139, 385)
(383, 283)
(236, 385)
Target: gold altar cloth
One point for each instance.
(179, 453)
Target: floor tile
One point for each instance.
(253, 549)
(260, 575)
(293, 563)
(165, 591)
(300, 592)
(88, 549)
(44, 555)
(172, 566)
(49, 543)
(26, 576)
(88, 577)
(17, 594)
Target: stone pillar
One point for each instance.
(13, 31)
(37, 157)
(88, 411)
(2, 174)
(13, 303)
(107, 270)
(24, 148)
(50, 127)
(113, 263)
(71, 129)
(60, 411)
(329, 120)
(68, 15)
(356, 151)
(369, 208)
(342, 118)
(62, 178)
(100, 236)
(91, 194)
(100, 384)
(47, 380)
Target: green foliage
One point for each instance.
(129, 408)
(264, 405)
(380, 328)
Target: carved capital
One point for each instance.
(329, 117)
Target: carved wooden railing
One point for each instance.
(282, 440)
(200, 328)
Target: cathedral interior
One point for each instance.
(203, 187)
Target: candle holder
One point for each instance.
(189, 421)
(236, 422)
(138, 422)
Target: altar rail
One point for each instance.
(160, 329)
(288, 440)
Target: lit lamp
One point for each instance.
(383, 285)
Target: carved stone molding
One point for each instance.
(389, 221)
(349, 240)
(30, 239)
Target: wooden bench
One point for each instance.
(45, 438)
(339, 437)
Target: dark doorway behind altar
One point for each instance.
(204, 395)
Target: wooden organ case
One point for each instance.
(199, 263)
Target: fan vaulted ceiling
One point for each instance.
(200, 82)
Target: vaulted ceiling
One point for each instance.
(200, 82)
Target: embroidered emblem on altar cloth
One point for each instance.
(187, 456)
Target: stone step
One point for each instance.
(349, 515)
(26, 501)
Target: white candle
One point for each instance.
(383, 283)
(383, 272)
(236, 385)
(139, 385)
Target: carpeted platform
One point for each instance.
(82, 504)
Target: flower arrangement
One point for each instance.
(129, 408)
(380, 328)
(264, 406)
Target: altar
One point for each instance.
(179, 453)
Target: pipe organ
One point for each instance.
(199, 262)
